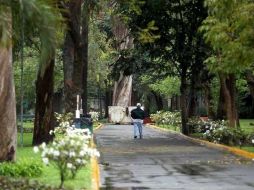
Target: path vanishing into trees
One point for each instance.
(164, 160)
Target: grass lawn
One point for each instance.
(247, 125)
(171, 127)
(50, 173)
(27, 124)
(248, 148)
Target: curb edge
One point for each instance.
(233, 150)
(95, 166)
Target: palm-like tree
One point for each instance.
(39, 16)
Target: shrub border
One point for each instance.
(233, 150)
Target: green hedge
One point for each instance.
(22, 168)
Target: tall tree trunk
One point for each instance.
(107, 98)
(228, 86)
(192, 108)
(221, 107)
(72, 57)
(183, 90)
(8, 128)
(85, 31)
(68, 60)
(122, 91)
(250, 80)
(44, 115)
(208, 102)
(123, 86)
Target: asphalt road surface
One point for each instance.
(164, 160)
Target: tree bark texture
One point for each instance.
(73, 55)
(8, 128)
(221, 107)
(122, 91)
(208, 101)
(227, 83)
(108, 95)
(123, 86)
(183, 90)
(192, 103)
(68, 60)
(192, 107)
(84, 54)
(44, 115)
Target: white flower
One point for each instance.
(43, 145)
(252, 141)
(36, 149)
(72, 142)
(69, 165)
(56, 153)
(78, 160)
(45, 160)
(96, 153)
(82, 153)
(72, 154)
(51, 132)
(43, 153)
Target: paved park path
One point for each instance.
(164, 160)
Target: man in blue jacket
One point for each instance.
(138, 115)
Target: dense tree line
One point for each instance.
(159, 48)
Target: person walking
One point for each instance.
(138, 115)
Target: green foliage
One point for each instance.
(22, 168)
(146, 35)
(168, 87)
(100, 54)
(31, 58)
(38, 16)
(229, 30)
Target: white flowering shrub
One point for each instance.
(69, 152)
(167, 118)
(219, 132)
(94, 115)
(64, 119)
